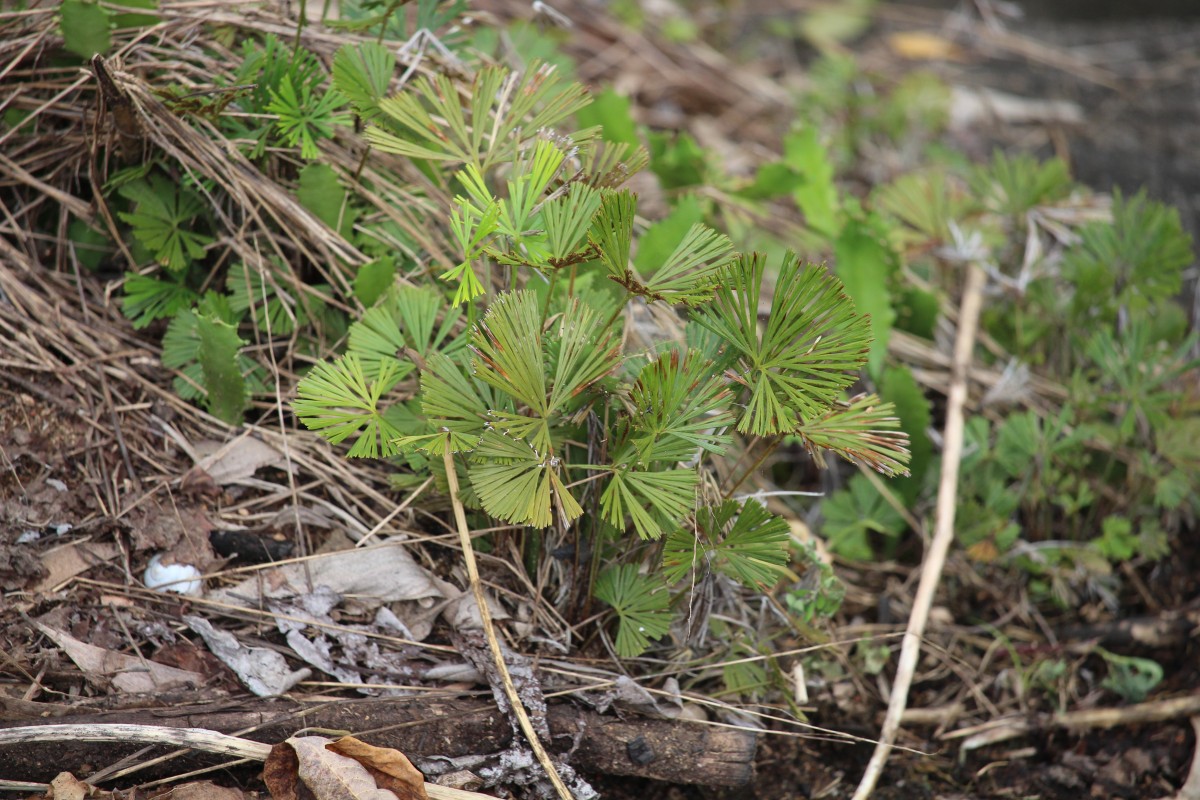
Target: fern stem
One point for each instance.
(758, 462)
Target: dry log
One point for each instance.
(420, 727)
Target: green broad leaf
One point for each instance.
(1130, 677)
(680, 409)
(611, 112)
(136, 20)
(655, 502)
(771, 180)
(181, 350)
(90, 245)
(810, 349)
(218, 356)
(306, 115)
(517, 484)
(677, 160)
(322, 193)
(865, 266)
(374, 278)
(863, 431)
(828, 25)
(162, 221)
(362, 72)
(742, 541)
(901, 390)
(817, 196)
(85, 28)
(852, 513)
(147, 299)
(339, 400)
(641, 603)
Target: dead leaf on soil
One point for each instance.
(237, 460)
(344, 770)
(63, 563)
(126, 673)
(66, 786)
(203, 790)
(264, 671)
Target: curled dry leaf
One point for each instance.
(343, 770)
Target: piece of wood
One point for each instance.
(419, 727)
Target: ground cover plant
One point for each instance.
(691, 405)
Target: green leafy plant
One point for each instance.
(547, 413)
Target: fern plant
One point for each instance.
(559, 422)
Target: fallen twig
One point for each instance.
(935, 557)
(195, 738)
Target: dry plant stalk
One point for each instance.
(943, 535)
(489, 629)
(195, 738)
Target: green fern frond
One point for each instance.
(517, 484)
(339, 400)
(503, 112)
(147, 299)
(655, 501)
(810, 350)
(740, 540)
(863, 430)
(362, 73)
(612, 233)
(688, 274)
(679, 409)
(642, 606)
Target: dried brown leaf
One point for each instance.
(126, 673)
(391, 769)
(329, 775)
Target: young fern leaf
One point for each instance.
(217, 353)
(508, 348)
(362, 73)
(654, 501)
(338, 400)
(642, 606)
(607, 165)
(517, 484)
(162, 221)
(863, 430)
(531, 179)
(741, 541)
(406, 320)
(303, 118)
(612, 233)
(147, 299)
(453, 403)
(567, 220)
(503, 112)
(810, 350)
(688, 275)
(680, 408)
